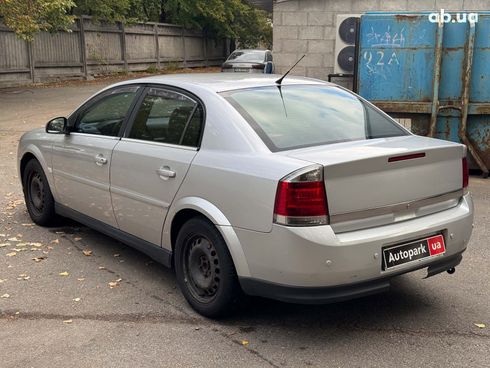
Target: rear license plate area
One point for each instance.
(406, 253)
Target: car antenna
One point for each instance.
(279, 81)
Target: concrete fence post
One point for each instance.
(30, 55)
(205, 50)
(157, 45)
(83, 52)
(184, 54)
(123, 46)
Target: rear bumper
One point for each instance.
(333, 294)
(319, 258)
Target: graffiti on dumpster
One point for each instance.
(388, 41)
(386, 38)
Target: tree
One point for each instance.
(223, 18)
(107, 10)
(235, 19)
(27, 17)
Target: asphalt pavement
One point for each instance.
(72, 297)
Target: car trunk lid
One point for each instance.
(363, 177)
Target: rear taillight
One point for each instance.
(301, 199)
(465, 173)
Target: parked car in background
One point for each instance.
(302, 192)
(249, 61)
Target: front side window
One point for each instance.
(295, 116)
(168, 117)
(106, 116)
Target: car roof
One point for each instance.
(221, 82)
(251, 50)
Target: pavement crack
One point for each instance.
(115, 317)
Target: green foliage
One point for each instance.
(233, 19)
(27, 17)
(107, 10)
(223, 18)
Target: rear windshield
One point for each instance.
(296, 116)
(247, 57)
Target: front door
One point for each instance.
(81, 162)
(152, 159)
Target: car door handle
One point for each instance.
(100, 160)
(165, 173)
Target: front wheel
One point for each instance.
(205, 271)
(37, 194)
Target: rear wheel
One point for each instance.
(38, 197)
(204, 268)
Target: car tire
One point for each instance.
(205, 271)
(37, 194)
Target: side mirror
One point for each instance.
(57, 126)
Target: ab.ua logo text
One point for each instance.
(444, 17)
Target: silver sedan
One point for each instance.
(299, 191)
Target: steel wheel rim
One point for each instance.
(201, 268)
(36, 193)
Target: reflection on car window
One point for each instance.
(107, 115)
(297, 116)
(164, 116)
(247, 57)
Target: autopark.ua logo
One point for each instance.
(445, 17)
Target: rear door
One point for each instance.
(152, 159)
(81, 161)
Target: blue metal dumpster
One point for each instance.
(435, 74)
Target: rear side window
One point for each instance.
(168, 117)
(295, 116)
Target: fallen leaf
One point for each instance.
(77, 238)
(11, 254)
(2, 280)
(60, 232)
(4, 245)
(480, 325)
(37, 245)
(77, 299)
(67, 321)
(14, 239)
(244, 342)
(3, 235)
(113, 284)
(87, 252)
(64, 273)
(56, 241)
(17, 313)
(101, 268)
(118, 280)
(116, 255)
(39, 259)
(4, 296)
(27, 225)
(81, 279)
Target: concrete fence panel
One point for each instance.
(93, 48)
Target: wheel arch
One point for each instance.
(185, 209)
(33, 152)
